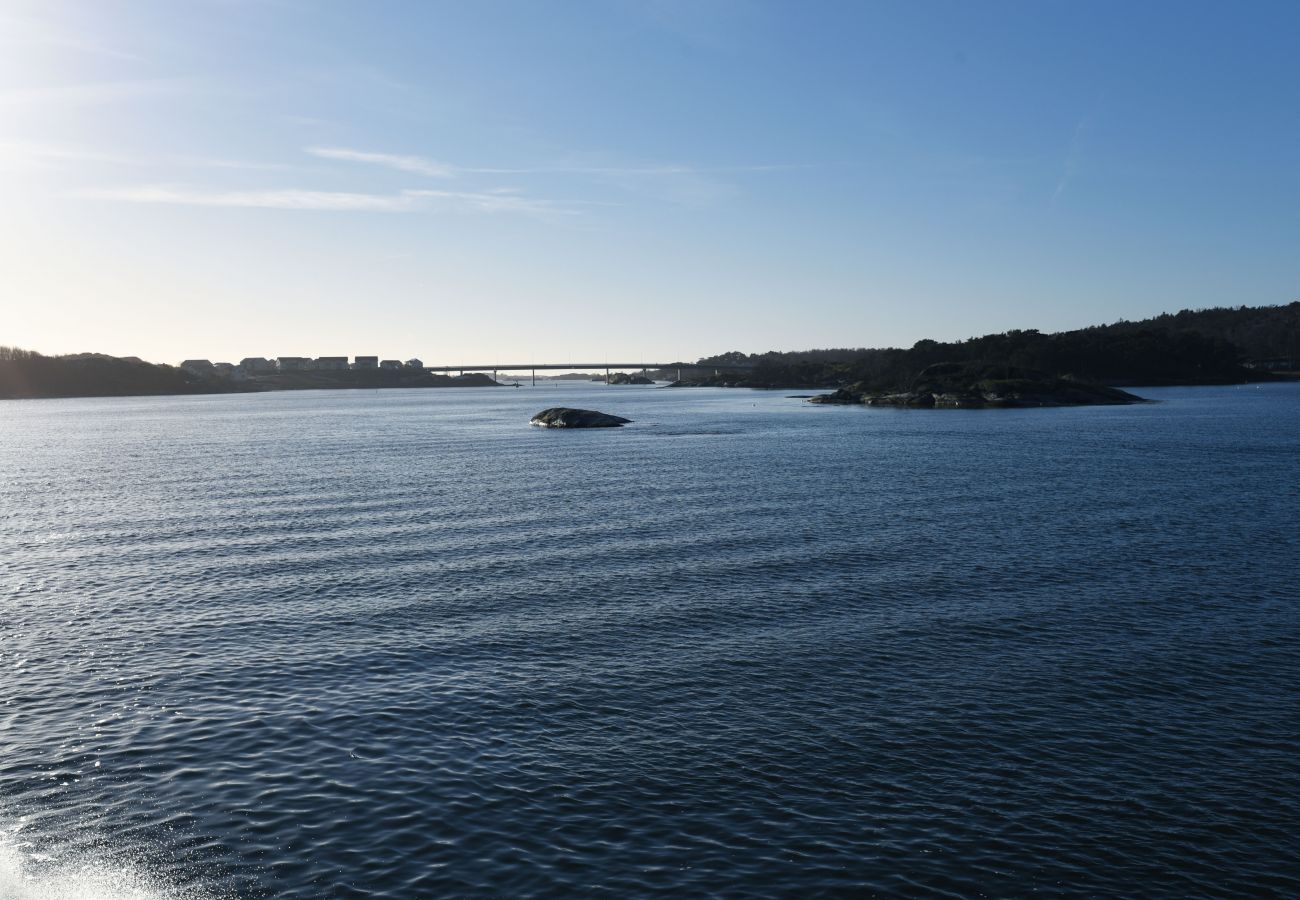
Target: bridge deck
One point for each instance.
(577, 367)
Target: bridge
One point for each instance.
(608, 367)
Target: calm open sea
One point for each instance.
(400, 644)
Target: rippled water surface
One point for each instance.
(399, 644)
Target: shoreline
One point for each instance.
(266, 385)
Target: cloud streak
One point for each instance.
(498, 201)
(1071, 164)
(329, 201)
(36, 154)
(619, 171)
(418, 165)
(490, 202)
(94, 92)
(423, 165)
(30, 31)
(691, 181)
(689, 185)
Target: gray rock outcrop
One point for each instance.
(565, 417)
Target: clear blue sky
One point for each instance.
(531, 180)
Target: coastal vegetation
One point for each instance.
(1208, 346)
(27, 374)
(1213, 346)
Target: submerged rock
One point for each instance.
(564, 417)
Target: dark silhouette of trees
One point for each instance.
(1190, 347)
(1203, 346)
(12, 353)
(27, 374)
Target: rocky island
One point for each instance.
(565, 417)
(973, 386)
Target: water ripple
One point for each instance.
(398, 645)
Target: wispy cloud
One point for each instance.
(331, 201)
(334, 201)
(212, 162)
(44, 155)
(497, 201)
(621, 171)
(423, 165)
(32, 154)
(418, 165)
(25, 31)
(93, 92)
(1071, 164)
(680, 183)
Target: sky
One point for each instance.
(600, 180)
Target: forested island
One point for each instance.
(1208, 346)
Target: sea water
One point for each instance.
(400, 644)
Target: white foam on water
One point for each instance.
(28, 872)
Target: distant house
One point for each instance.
(296, 363)
(390, 364)
(414, 364)
(200, 367)
(366, 362)
(256, 364)
(223, 369)
(331, 363)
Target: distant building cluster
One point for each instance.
(252, 366)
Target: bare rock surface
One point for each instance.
(566, 417)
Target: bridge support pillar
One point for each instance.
(534, 378)
(607, 375)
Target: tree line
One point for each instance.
(1187, 347)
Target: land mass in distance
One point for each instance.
(1214, 346)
